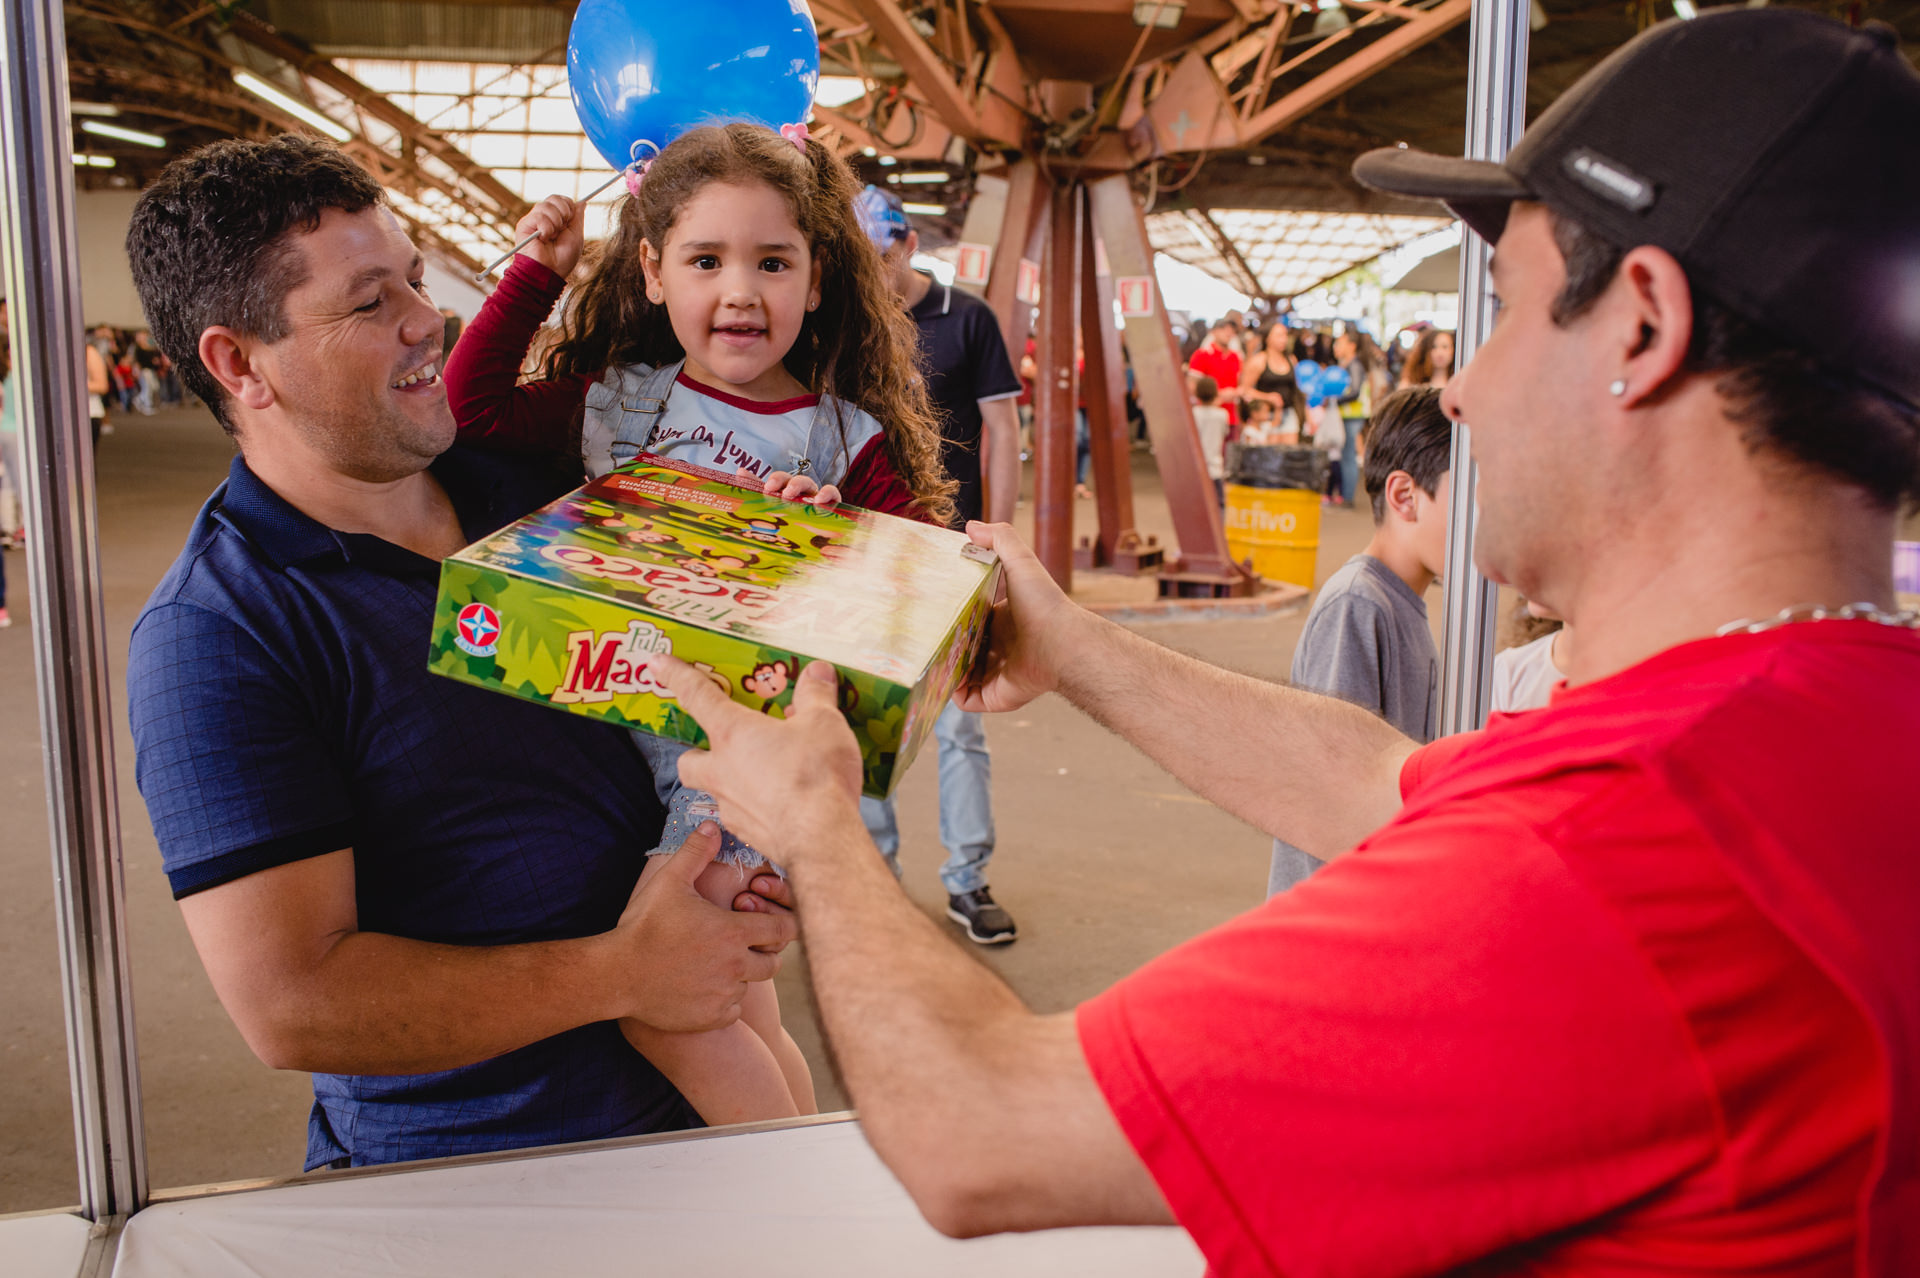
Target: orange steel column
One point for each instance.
(1104, 387)
(1161, 384)
(1022, 226)
(1053, 424)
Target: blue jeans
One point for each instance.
(966, 804)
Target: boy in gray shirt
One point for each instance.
(1367, 640)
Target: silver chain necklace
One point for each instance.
(1906, 620)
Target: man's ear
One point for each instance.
(230, 358)
(1651, 306)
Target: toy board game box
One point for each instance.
(569, 605)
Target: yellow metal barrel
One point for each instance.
(1278, 529)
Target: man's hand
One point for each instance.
(691, 961)
(561, 230)
(792, 487)
(1032, 631)
(780, 783)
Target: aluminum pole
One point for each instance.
(1496, 115)
(41, 248)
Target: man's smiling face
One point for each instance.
(357, 375)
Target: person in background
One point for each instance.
(1262, 428)
(1269, 376)
(973, 388)
(1367, 640)
(1526, 673)
(451, 330)
(145, 359)
(1350, 352)
(1210, 420)
(1430, 363)
(99, 385)
(1217, 359)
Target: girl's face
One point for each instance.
(1443, 350)
(737, 278)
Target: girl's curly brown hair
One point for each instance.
(858, 346)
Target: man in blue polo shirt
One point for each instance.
(421, 892)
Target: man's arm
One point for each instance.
(1313, 770)
(309, 991)
(987, 1113)
(1000, 438)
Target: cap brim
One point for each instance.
(1480, 191)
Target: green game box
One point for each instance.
(568, 606)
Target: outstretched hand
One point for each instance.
(561, 230)
(1030, 635)
(792, 487)
(783, 784)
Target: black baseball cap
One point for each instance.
(1774, 152)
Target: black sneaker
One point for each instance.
(986, 922)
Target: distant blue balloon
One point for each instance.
(1306, 375)
(1334, 382)
(645, 70)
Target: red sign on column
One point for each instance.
(1026, 285)
(1136, 295)
(974, 263)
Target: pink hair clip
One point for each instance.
(796, 134)
(635, 174)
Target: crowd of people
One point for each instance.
(139, 378)
(1255, 371)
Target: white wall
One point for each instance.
(106, 283)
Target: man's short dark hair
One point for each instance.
(1222, 322)
(1790, 401)
(210, 242)
(1410, 433)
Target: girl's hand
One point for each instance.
(561, 230)
(793, 488)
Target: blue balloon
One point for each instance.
(1306, 375)
(646, 71)
(1334, 382)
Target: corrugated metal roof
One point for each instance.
(1288, 252)
(454, 32)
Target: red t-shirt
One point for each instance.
(1621, 990)
(1223, 366)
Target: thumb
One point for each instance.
(696, 854)
(817, 688)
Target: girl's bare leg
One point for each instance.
(741, 1074)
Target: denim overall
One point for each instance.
(624, 409)
(623, 413)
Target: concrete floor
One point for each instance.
(1104, 860)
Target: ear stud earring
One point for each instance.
(1617, 387)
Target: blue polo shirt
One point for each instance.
(282, 709)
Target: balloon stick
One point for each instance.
(480, 276)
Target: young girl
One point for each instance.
(737, 319)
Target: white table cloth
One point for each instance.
(799, 1201)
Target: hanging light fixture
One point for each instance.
(1330, 18)
(1158, 13)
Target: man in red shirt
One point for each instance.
(1219, 359)
(1628, 985)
